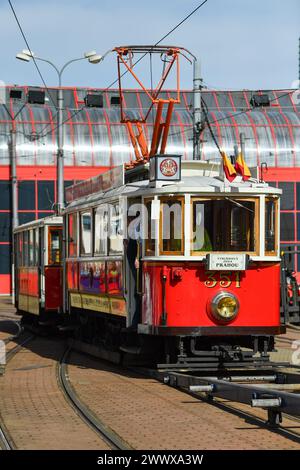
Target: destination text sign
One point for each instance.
(226, 262)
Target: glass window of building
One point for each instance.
(287, 197)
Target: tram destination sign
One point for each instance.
(108, 180)
(227, 262)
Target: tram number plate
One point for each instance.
(227, 262)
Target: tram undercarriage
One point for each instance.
(113, 341)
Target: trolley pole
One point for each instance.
(197, 86)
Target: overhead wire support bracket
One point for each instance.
(170, 54)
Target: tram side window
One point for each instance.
(86, 233)
(101, 226)
(20, 249)
(25, 248)
(115, 229)
(31, 248)
(270, 225)
(223, 225)
(54, 245)
(171, 226)
(36, 247)
(72, 235)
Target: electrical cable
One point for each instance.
(156, 44)
(29, 48)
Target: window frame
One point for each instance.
(90, 211)
(121, 215)
(277, 215)
(162, 252)
(51, 229)
(145, 214)
(256, 238)
(104, 208)
(75, 215)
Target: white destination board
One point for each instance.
(226, 262)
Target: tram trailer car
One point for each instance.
(175, 262)
(38, 269)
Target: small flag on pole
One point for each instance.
(229, 169)
(242, 168)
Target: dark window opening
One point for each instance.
(224, 225)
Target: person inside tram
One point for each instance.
(133, 246)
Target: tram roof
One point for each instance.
(50, 220)
(197, 177)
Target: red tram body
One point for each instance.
(190, 289)
(211, 291)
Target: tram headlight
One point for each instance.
(225, 306)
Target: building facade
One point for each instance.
(95, 140)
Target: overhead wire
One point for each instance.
(233, 114)
(161, 39)
(29, 49)
(124, 73)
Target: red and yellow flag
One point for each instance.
(242, 168)
(229, 169)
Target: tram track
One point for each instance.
(107, 434)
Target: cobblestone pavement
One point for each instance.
(32, 406)
(150, 415)
(144, 412)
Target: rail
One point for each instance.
(104, 431)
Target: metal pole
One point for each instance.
(197, 85)
(13, 170)
(60, 152)
(14, 203)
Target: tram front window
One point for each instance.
(171, 229)
(270, 226)
(224, 225)
(54, 245)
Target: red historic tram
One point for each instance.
(172, 260)
(38, 268)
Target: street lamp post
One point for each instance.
(93, 58)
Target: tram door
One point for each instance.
(133, 256)
(53, 270)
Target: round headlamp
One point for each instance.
(224, 306)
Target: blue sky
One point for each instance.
(241, 43)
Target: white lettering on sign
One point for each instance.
(225, 262)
